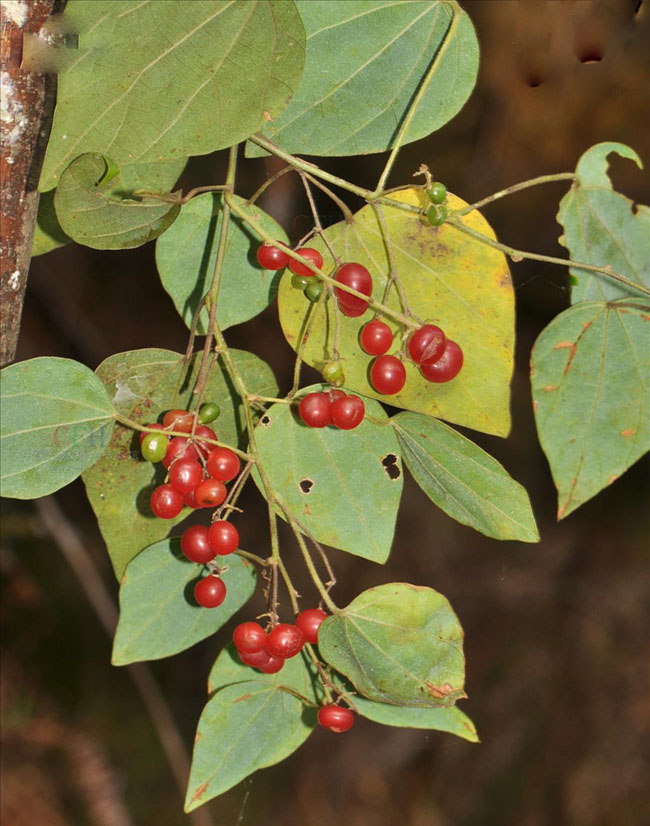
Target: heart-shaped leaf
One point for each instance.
(154, 81)
(604, 228)
(399, 644)
(186, 255)
(158, 615)
(57, 420)
(143, 384)
(463, 480)
(355, 103)
(343, 486)
(589, 376)
(450, 278)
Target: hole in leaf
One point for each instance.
(391, 467)
(265, 421)
(306, 485)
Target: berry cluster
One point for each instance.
(196, 477)
(332, 408)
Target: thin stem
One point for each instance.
(424, 85)
(305, 329)
(135, 426)
(198, 190)
(228, 504)
(269, 182)
(519, 255)
(393, 277)
(253, 557)
(345, 209)
(315, 215)
(509, 190)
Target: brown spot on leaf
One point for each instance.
(267, 116)
(612, 479)
(243, 697)
(439, 691)
(550, 387)
(628, 432)
(307, 510)
(197, 737)
(391, 466)
(562, 344)
(306, 485)
(535, 405)
(645, 317)
(585, 325)
(198, 794)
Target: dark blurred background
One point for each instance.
(556, 633)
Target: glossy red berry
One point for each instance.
(335, 394)
(356, 276)
(181, 448)
(209, 493)
(353, 312)
(376, 337)
(144, 433)
(272, 258)
(223, 537)
(190, 500)
(256, 659)
(178, 420)
(249, 638)
(285, 641)
(309, 621)
(195, 544)
(166, 502)
(387, 375)
(185, 475)
(314, 410)
(448, 365)
(223, 464)
(311, 255)
(274, 665)
(336, 718)
(210, 591)
(204, 432)
(426, 344)
(348, 412)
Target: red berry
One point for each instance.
(166, 502)
(354, 312)
(185, 475)
(336, 393)
(179, 447)
(195, 544)
(448, 365)
(427, 344)
(223, 464)
(376, 337)
(179, 420)
(256, 659)
(210, 591)
(312, 255)
(387, 375)
(285, 641)
(348, 412)
(249, 638)
(272, 666)
(144, 433)
(190, 501)
(314, 410)
(209, 493)
(309, 621)
(223, 537)
(355, 276)
(272, 258)
(204, 432)
(335, 718)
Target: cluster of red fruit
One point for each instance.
(197, 473)
(332, 408)
(268, 652)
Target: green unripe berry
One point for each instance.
(437, 193)
(437, 214)
(333, 373)
(314, 289)
(299, 282)
(154, 447)
(208, 412)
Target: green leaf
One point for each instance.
(604, 228)
(158, 615)
(247, 725)
(143, 385)
(449, 278)
(56, 421)
(48, 234)
(355, 102)
(333, 481)
(589, 376)
(154, 81)
(463, 480)
(186, 255)
(399, 644)
(90, 213)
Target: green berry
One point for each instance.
(437, 214)
(208, 412)
(333, 373)
(154, 447)
(299, 282)
(437, 193)
(313, 290)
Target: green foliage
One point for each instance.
(463, 480)
(48, 234)
(457, 282)
(333, 481)
(143, 384)
(365, 61)
(589, 374)
(604, 228)
(400, 644)
(158, 615)
(56, 421)
(154, 81)
(186, 255)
